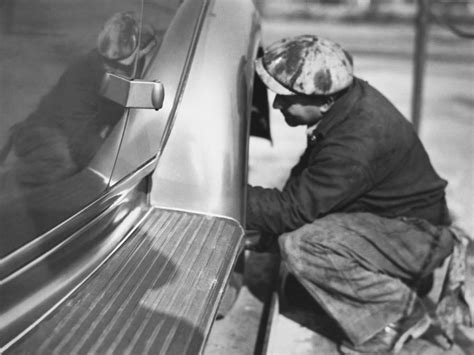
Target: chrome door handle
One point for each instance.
(133, 93)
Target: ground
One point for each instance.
(383, 56)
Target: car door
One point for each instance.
(53, 120)
(62, 127)
(147, 130)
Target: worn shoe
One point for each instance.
(391, 339)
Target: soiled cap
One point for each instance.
(306, 65)
(119, 36)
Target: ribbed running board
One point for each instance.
(157, 295)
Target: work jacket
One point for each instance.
(364, 156)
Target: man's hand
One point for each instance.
(258, 243)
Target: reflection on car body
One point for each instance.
(91, 187)
(63, 134)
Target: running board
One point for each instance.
(158, 294)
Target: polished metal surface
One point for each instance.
(42, 273)
(146, 129)
(53, 120)
(133, 93)
(203, 165)
(197, 142)
(157, 295)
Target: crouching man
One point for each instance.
(362, 218)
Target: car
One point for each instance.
(123, 170)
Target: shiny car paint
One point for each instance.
(191, 155)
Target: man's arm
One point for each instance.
(327, 185)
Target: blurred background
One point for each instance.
(362, 10)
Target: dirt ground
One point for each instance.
(383, 56)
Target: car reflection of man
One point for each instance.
(362, 218)
(63, 134)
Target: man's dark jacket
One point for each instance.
(363, 157)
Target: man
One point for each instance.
(362, 219)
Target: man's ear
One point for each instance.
(327, 106)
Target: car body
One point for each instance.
(167, 178)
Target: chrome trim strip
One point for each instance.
(46, 254)
(184, 78)
(174, 87)
(15, 260)
(98, 173)
(55, 306)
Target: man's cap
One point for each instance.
(119, 36)
(306, 64)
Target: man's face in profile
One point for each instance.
(301, 109)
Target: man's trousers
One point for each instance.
(358, 266)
